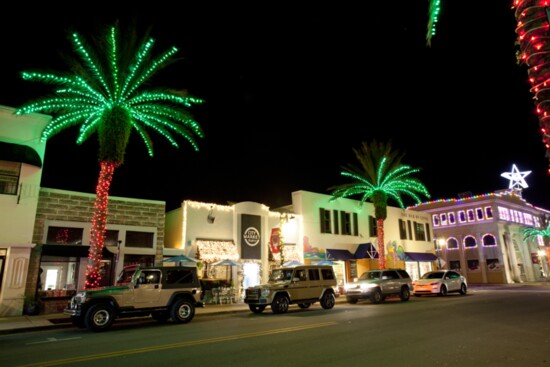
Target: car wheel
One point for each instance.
(463, 289)
(182, 311)
(304, 305)
(443, 290)
(405, 294)
(256, 309)
(160, 316)
(78, 322)
(328, 300)
(280, 304)
(99, 317)
(351, 300)
(376, 296)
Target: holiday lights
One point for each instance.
(433, 17)
(104, 97)
(532, 30)
(380, 177)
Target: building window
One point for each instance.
(111, 237)
(372, 226)
(454, 265)
(443, 219)
(503, 213)
(139, 239)
(435, 220)
(488, 212)
(402, 229)
(325, 220)
(355, 225)
(409, 225)
(335, 222)
(479, 214)
(57, 273)
(470, 242)
(452, 244)
(452, 219)
(428, 238)
(64, 236)
(346, 223)
(528, 219)
(470, 213)
(9, 177)
(493, 265)
(461, 216)
(488, 240)
(473, 265)
(419, 234)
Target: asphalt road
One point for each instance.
(487, 327)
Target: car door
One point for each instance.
(389, 281)
(148, 288)
(452, 279)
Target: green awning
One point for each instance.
(19, 153)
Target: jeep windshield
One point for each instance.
(278, 275)
(370, 275)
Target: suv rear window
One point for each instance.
(327, 274)
(179, 276)
(403, 273)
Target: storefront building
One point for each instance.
(482, 237)
(310, 230)
(21, 158)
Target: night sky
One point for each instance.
(291, 90)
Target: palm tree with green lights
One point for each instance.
(103, 95)
(531, 232)
(380, 176)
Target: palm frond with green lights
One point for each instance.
(530, 232)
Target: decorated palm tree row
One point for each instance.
(103, 95)
(379, 177)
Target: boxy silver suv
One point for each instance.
(376, 285)
(302, 285)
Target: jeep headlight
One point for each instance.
(265, 292)
(79, 298)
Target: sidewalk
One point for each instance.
(17, 324)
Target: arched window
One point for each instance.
(452, 244)
(489, 240)
(470, 242)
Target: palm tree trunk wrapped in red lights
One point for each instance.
(99, 223)
(534, 42)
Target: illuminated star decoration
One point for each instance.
(516, 178)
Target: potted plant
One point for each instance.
(31, 306)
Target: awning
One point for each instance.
(333, 254)
(366, 251)
(19, 153)
(215, 250)
(71, 251)
(420, 256)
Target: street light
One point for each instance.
(438, 242)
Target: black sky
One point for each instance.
(291, 90)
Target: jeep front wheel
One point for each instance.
(280, 304)
(182, 311)
(328, 300)
(256, 309)
(99, 317)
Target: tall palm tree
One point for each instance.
(103, 95)
(379, 177)
(530, 232)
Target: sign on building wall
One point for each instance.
(251, 229)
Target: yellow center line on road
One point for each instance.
(190, 343)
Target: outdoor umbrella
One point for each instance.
(229, 263)
(324, 262)
(292, 263)
(180, 260)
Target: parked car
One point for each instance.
(376, 285)
(302, 285)
(440, 282)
